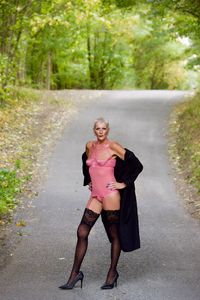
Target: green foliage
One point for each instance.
(13, 96)
(157, 58)
(9, 188)
(185, 22)
(190, 7)
(188, 139)
(6, 79)
(58, 44)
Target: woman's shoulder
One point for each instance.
(115, 145)
(89, 144)
(117, 149)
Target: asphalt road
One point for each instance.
(167, 267)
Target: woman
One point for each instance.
(110, 171)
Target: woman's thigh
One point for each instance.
(112, 201)
(95, 205)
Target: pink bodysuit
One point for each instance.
(101, 171)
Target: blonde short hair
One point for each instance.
(101, 120)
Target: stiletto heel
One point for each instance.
(107, 286)
(116, 283)
(70, 286)
(81, 282)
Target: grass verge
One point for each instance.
(185, 149)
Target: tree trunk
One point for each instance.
(48, 76)
(90, 62)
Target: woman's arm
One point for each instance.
(117, 149)
(88, 147)
(85, 170)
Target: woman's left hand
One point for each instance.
(116, 185)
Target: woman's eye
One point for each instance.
(97, 129)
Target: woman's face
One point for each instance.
(101, 131)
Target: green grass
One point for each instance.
(9, 188)
(188, 140)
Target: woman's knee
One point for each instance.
(82, 231)
(113, 231)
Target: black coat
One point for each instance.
(125, 171)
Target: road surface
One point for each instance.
(167, 267)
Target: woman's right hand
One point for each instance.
(90, 186)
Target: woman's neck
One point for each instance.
(102, 142)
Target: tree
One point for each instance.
(58, 44)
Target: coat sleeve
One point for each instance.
(133, 167)
(85, 170)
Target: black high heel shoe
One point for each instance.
(107, 286)
(71, 285)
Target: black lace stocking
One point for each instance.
(88, 220)
(111, 221)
